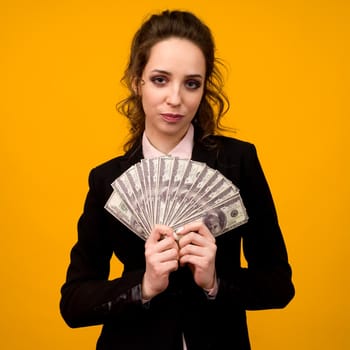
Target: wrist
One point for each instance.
(211, 292)
(146, 294)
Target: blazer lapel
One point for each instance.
(204, 154)
(130, 158)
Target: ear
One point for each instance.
(136, 85)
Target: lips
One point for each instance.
(171, 117)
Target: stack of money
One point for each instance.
(174, 191)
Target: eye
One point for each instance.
(193, 84)
(159, 80)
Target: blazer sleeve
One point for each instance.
(87, 296)
(266, 282)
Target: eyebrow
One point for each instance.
(161, 71)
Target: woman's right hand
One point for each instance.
(162, 255)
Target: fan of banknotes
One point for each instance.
(174, 191)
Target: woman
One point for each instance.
(190, 292)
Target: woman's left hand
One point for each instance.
(198, 250)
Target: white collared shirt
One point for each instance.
(182, 150)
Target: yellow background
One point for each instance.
(288, 81)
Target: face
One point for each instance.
(172, 89)
(214, 225)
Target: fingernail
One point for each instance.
(178, 230)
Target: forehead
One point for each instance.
(175, 54)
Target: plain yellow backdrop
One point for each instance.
(288, 80)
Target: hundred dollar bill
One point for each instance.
(140, 176)
(152, 189)
(219, 190)
(120, 210)
(222, 218)
(178, 172)
(165, 172)
(131, 194)
(192, 172)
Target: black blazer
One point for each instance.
(89, 297)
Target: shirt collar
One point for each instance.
(182, 150)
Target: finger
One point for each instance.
(196, 239)
(190, 238)
(195, 226)
(191, 249)
(159, 232)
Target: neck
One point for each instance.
(164, 142)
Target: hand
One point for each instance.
(162, 254)
(198, 250)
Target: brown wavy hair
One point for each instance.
(158, 27)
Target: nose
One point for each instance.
(174, 95)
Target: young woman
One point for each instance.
(191, 292)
